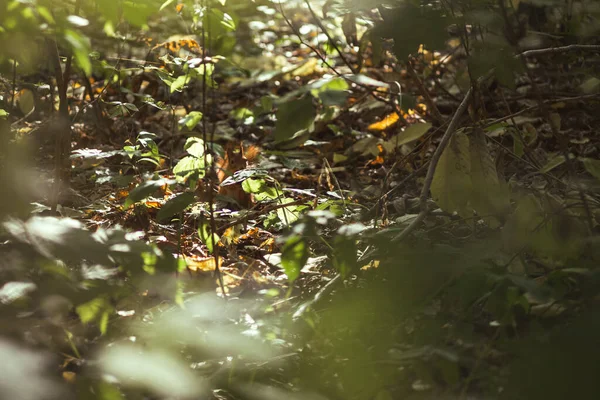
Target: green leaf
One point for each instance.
(592, 166)
(590, 85)
(3, 114)
(166, 4)
(209, 240)
(333, 98)
(175, 206)
(294, 116)
(194, 147)
(518, 145)
(63, 239)
(144, 190)
(81, 49)
(266, 104)
(489, 195)
(180, 82)
(260, 189)
(46, 14)
(294, 255)
(187, 167)
(412, 133)
(331, 92)
(287, 215)
(190, 121)
(451, 186)
(344, 254)
(228, 22)
(152, 368)
(243, 115)
(97, 310)
(526, 221)
(552, 163)
(253, 185)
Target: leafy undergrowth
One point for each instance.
(280, 210)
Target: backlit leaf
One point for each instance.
(153, 369)
(191, 120)
(287, 215)
(294, 116)
(412, 133)
(451, 186)
(209, 240)
(97, 310)
(592, 166)
(187, 167)
(294, 256)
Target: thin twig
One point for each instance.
(562, 49)
(14, 85)
(205, 32)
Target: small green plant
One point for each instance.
(144, 150)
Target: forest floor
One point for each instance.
(300, 204)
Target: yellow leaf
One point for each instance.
(202, 264)
(385, 123)
(307, 68)
(69, 376)
(268, 244)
